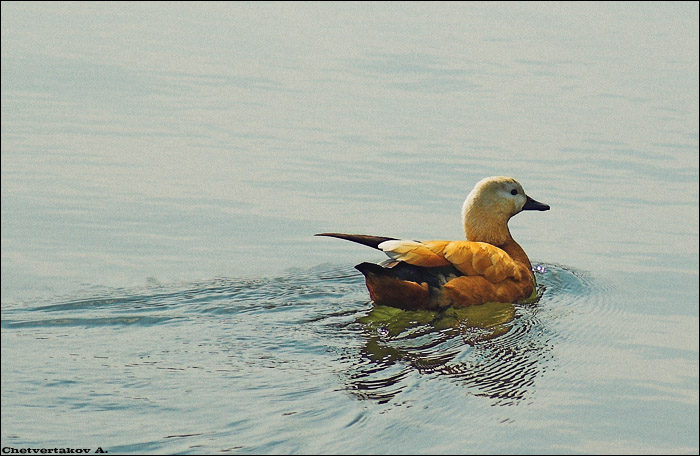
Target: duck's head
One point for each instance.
(489, 206)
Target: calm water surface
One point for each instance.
(164, 170)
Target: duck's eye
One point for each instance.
(514, 192)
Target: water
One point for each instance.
(164, 170)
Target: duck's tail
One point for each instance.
(364, 239)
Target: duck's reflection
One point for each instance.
(495, 349)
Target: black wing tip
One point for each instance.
(364, 239)
(369, 268)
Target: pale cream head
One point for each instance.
(489, 206)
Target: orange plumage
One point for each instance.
(489, 266)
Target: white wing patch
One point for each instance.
(413, 252)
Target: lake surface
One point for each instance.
(164, 169)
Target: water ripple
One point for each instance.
(496, 350)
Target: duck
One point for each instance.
(489, 266)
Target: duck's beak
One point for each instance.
(532, 205)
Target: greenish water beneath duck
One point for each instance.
(164, 171)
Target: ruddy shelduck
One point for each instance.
(488, 267)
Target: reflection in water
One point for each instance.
(497, 350)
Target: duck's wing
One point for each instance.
(426, 254)
(469, 258)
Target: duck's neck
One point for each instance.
(489, 234)
(495, 232)
(484, 227)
